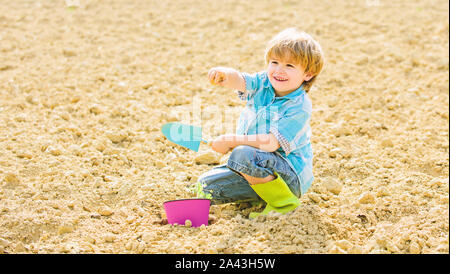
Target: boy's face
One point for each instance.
(285, 76)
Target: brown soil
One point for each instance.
(84, 91)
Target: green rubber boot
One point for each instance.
(277, 195)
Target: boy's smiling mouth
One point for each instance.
(280, 78)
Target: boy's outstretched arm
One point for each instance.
(226, 77)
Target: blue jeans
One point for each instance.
(223, 184)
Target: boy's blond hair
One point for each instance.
(297, 47)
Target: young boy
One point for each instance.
(271, 156)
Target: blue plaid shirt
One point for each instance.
(286, 117)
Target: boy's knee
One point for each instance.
(243, 154)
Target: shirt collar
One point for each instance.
(291, 95)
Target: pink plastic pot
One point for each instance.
(195, 210)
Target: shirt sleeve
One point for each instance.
(253, 83)
(289, 128)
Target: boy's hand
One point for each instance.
(223, 144)
(226, 77)
(218, 76)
